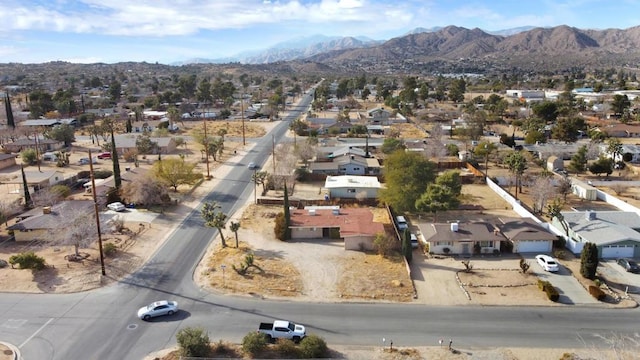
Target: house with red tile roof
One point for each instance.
(355, 226)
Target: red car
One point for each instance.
(104, 155)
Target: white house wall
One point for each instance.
(306, 233)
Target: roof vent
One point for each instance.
(312, 212)
(46, 209)
(454, 227)
(335, 211)
(590, 215)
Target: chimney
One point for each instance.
(46, 209)
(590, 215)
(454, 227)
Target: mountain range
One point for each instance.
(526, 47)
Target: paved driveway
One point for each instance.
(571, 291)
(132, 215)
(618, 278)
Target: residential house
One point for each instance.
(355, 226)
(37, 180)
(38, 224)
(328, 153)
(621, 130)
(320, 125)
(43, 145)
(352, 187)
(103, 186)
(462, 237)
(347, 165)
(630, 152)
(381, 116)
(127, 142)
(526, 235)
(525, 95)
(615, 233)
(7, 161)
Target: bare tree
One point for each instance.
(148, 191)
(7, 209)
(565, 187)
(46, 197)
(434, 147)
(619, 188)
(542, 190)
(78, 229)
(306, 151)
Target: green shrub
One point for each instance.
(193, 342)
(254, 342)
(313, 346)
(61, 190)
(109, 249)
(597, 293)
(29, 156)
(28, 260)
(287, 349)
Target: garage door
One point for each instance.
(534, 246)
(617, 251)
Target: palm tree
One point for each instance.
(235, 226)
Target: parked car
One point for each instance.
(629, 265)
(85, 161)
(252, 166)
(414, 241)
(402, 223)
(547, 263)
(116, 206)
(104, 155)
(158, 308)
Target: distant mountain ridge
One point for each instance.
(538, 48)
(526, 47)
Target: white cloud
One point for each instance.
(183, 17)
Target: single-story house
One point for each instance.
(352, 186)
(621, 130)
(103, 186)
(48, 122)
(127, 142)
(7, 161)
(39, 223)
(347, 165)
(44, 145)
(328, 153)
(38, 179)
(462, 237)
(354, 225)
(615, 233)
(526, 235)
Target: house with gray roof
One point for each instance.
(462, 237)
(615, 233)
(7, 160)
(347, 165)
(127, 142)
(526, 235)
(43, 145)
(38, 223)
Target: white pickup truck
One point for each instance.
(281, 329)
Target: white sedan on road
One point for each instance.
(116, 206)
(158, 308)
(547, 263)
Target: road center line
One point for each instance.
(34, 334)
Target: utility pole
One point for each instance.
(97, 213)
(273, 152)
(255, 186)
(206, 149)
(244, 142)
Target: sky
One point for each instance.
(168, 31)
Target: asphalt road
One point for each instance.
(102, 324)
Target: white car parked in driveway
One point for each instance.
(158, 308)
(547, 263)
(116, 206)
